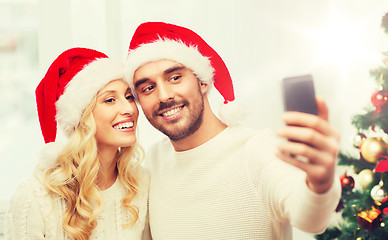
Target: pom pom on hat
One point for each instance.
(153, 41)
(49, 155)
(232, 112)
(71, 82)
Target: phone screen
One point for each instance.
(299, 94)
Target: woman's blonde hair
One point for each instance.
(74, 178)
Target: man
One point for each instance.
(214, 181)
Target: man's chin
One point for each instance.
(175, 134)
(179, 133)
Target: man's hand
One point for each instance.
(312, 138)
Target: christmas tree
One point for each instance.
(364, 211)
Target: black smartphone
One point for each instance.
(299, 94)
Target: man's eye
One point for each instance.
(109, 100)
(175, 78)
(148, 89)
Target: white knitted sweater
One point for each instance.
(232, 187)
(33, 214)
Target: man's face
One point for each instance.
(171, 97)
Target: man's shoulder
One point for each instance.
(254, 141)
(251, 134)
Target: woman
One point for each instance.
(93, 186)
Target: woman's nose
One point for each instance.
(128, 107)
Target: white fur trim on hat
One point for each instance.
(174, 50)
(80, 91)
(48, 155)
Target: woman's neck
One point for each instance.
(108, 168)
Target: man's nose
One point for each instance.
(166, 92)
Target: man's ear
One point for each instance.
(204, 87)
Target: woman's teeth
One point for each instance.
(124, 125)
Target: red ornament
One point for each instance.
(382, 166)
(379, 99)
(347, 182)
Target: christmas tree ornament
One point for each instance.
(347, 182)
(378, 193)
(370, 219)
(382, 205)
(365, 178)
(379, 99)
(382, 166)
(358, 140)
(372, 147)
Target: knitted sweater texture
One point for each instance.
(34, 214)
(232, 187)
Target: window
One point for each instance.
(18, 75)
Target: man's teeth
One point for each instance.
(124, 125)
(171, 112)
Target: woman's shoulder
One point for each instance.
(26, 186)
(28, 189)
(28, 194)
(30, 210)
(32, 186)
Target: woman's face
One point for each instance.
(115, 114)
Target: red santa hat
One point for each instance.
(153, 41)
(70, 84)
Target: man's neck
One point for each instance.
(211, 126)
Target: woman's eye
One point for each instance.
(130, 97)
(109, 100)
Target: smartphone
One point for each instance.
(299, 94)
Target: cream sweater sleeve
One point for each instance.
(284, 186)
(23, 218)
(293, 201)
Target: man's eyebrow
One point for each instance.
(173, 69)
(140, 82)
(167, 71)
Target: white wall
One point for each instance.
(337, 41)
(260, 41)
